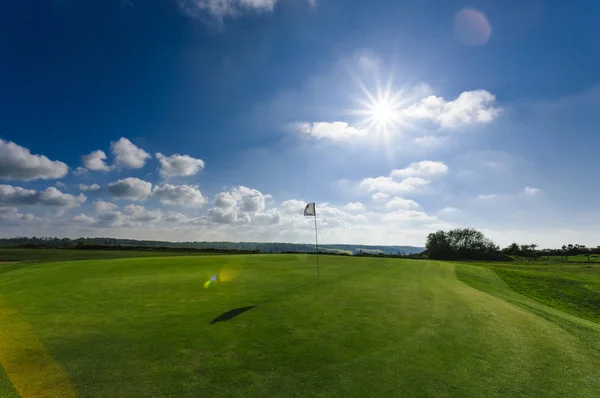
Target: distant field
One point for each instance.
(142, 327)
(594, 258)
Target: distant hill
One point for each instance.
(275, 247)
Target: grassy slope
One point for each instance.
(573, 288)
(369, 327)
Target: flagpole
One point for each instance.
(317, 245)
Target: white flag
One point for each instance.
(310, 210)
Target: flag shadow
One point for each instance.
(239, 311)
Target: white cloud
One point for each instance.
(90, 188)
(293, 206)
(429, 141)
(113, 219)
(9, 216)
(252, 200)
(408, 217)
(354, 207)
(83, 219)
(390, 186)
(223, 8)
(51, 196)
(240, 205)
(185, 195)
(470, 107)
(401, 203)
(487, 197)
(18, 163)
(173, 217)
(529, 191)
(422, 168)
(80, 171)
(95, 161)
(450, 210)
(329, 130)
(380, 196)
(140, 213)
(101, 206)
(59, 184)
(225, 200)
(128, 155)
(130, 188)
(179, 165)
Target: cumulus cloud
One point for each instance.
(429, 141)
(390, 186)
(80, 171)
(252, 200)
(90, 188)
(293, 206)
(18, 163)
(329, 130)
(140, 213)
(450, 210)
(101, 206)
(420, 169)
(179, 165)
(529, 191)
(470, 107)
(130, 188)
(240, 205)
(225, 200)
(11, 216)
(111, 219)
(223, 8)
(400, 203)
(83, 219)
(173, 217)
(354, 207)
(408, 217)
(128, 155)
(51, 196)
(95, 161)
(184, 195)
(380, 196)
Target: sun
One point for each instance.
(383, 111)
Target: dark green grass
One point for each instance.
(580, 258)
(53, 255)
(369, 327)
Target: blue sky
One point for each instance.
(219, 120)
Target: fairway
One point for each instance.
(368, 327)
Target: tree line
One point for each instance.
(471, 244)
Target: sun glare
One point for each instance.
(382, 112)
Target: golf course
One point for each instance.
(263, 325)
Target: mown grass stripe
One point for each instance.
(27, 363)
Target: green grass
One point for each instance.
(369, 327)
(573, 288)
(53, 255)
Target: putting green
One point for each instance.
(368, 327)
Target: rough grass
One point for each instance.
(574, 288)
(369, 327)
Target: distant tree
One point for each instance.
(461, 243)
(512, 249)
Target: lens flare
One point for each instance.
(231, 270)
(210, 281)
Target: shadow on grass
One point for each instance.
(239, 311)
